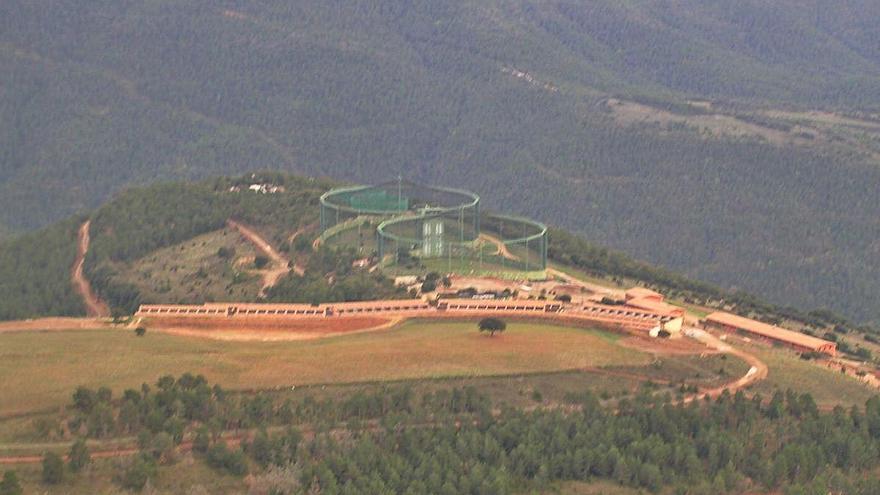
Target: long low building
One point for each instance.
(801, 342)
(624, 317)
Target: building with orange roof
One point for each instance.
(643, 293)
(656, 306)
(801, 342)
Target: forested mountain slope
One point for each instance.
(510, 98)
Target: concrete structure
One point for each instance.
(616, 317)
(649, 300)
(796, 340)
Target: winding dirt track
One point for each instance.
(500, 248)
(758, 369)
(280, 263)
(94, 306)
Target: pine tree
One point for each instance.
(79, 456)
(53, 468)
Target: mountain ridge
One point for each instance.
(128, 93)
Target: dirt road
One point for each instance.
(280, 263)
(500, 247)
(94, 306)
(758, 369)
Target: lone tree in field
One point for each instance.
(140, 331)
(492, 325)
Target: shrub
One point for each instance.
(79, 456)
(226, 252)
(53, 468)
(140, 331)
(10, 484)
(220, 457)
(142, 468)
(261, 261)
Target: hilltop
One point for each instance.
(734, 143)
(410, 363)
(255, 238)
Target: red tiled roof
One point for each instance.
(641, 292)
(769, 331)
(656, 306)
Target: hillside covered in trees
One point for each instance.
(513, 99)
(393, 440)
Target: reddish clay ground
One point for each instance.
(267, 329)
(280, 263)
(94, 306)
(665, 346)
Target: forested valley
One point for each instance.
(512, 99)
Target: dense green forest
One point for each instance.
(35, 273)
(504, 97)
(456, 441)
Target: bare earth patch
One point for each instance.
(268, 329)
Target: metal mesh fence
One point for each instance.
(413, 226)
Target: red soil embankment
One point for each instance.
(267, 329)
(94, 306)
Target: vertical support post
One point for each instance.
(544, 244)
(461, 237)
(477, 219)
(380, 246)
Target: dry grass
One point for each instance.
(828, 388)
(41, 369)
(193, 272)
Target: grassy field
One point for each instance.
(40, 370)
(828, 388)
(192, 271)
